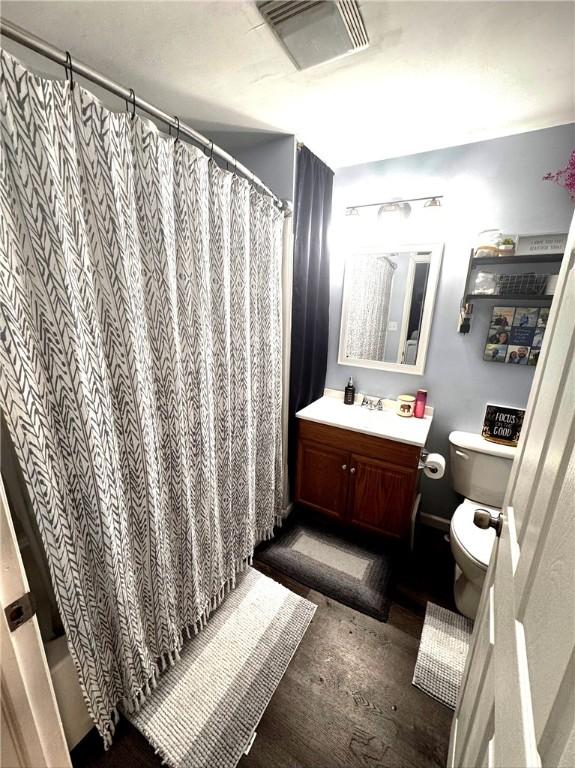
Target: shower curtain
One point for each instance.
(140, 343)
(310, 301)
(370, 300)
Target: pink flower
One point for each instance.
(566, 177)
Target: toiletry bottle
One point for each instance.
(349, 394)
(420, 401)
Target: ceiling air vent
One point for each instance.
(314, 32)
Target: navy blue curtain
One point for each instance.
(310, 300)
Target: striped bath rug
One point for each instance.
(445, 641)
(352, 570)
(206, 707)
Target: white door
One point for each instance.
(31, 730)
(516, 706)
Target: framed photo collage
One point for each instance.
(515, 335)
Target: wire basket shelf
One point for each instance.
(527, 284)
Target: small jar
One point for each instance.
(405, 405)
(488, 242)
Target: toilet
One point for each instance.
(479, 472)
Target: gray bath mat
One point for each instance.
(442, 653)
(205, 708)
(351, 573)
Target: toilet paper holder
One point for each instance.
(432, 464)
(423, 459)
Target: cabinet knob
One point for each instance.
(344, 466)
(352, 470)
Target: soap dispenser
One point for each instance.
(349, 394)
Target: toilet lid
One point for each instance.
(478, 542)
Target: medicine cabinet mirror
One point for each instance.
(388, 298)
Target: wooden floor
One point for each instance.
(346, 700)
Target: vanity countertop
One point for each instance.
(387, 423)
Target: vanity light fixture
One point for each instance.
(388, 208)
(402, 208)
(392, 206)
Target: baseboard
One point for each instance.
(434, 521)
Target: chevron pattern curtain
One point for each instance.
(371, 275)
(140, 343)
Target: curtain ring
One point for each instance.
(131, 101)
(177, 119)
(212, 151)
(69, 69)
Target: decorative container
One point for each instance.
(420, 401)
(405, 405)
(488, 243)
(507, 248)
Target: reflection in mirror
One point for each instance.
(386, 313)
(414, 299)
(372, 275)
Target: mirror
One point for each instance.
(388, 298)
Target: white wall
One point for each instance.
(271, 156)
(494, 183)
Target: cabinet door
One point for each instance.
(322, 477)
(381, 495)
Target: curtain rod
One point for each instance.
(29, 40)
(391, 202)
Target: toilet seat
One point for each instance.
(476, 542)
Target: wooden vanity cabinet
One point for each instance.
(363, 481)
(323, 485)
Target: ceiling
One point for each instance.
(436, 74)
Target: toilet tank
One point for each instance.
(479, 469)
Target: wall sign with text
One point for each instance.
(533, 245)
(502, 424)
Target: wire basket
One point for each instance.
(527, 284)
